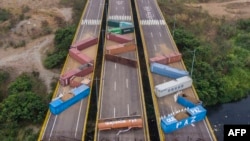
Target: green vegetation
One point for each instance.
(221, 71)
(64, 36)
(4, 15)
(63, 40)
(23, 106)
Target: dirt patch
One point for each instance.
(233, 9)
(34, 33)
(28, 59)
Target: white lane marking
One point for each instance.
(155, 47)
(102, 90)
(86, 18)
(208, 130)
(127, 82)
(115, 86)
(47, 123)
(128, 109)
(78, 118)
(98, 18)
(151, 34)
(114, 112)
(152, 22)
(52, 128)
(115, 65)
(160, 34)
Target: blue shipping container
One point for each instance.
(167, 71)
(126, 24)
(170, 123)
(187, 103)
(58, 105)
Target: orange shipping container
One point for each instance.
(120, 48)
(108, 125)
(119, 38)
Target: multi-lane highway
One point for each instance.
(121, 92)
(121, 95)
(70, 124)
(158, 40)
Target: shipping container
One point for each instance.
(79, 57)
(121, 60)
(85, 70)
(119, 38)
(173, 86)
(82, 44)
(173, 57)
(64, 79)
(115, 30)
(82, 71)
(166, 58)
(120, 48)
(126, 123)
(123, 30)
(167, 71)
(192, 115)
(125, 24)
(113, 23)
(158, 59)
(65, 101)
(188, 101)
(116, 23)
(128, 29)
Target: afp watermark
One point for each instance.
(236, 132)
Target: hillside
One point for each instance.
(28, 34)
(213, 37)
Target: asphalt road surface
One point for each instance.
(121, 90)
(158, 40)
(69, 125)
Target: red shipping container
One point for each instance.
(79, 57)
(119, 38)
(173, 57)
(65, 78)
(85, 71)
(80, 45)
(159, 59)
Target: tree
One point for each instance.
(22, 83)
(25, 106)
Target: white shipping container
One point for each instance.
(173, 86)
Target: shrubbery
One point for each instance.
(63, 40)
(221, 68)
(24, 104)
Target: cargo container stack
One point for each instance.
(86, 63)
(116, 32)
(120, 27)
